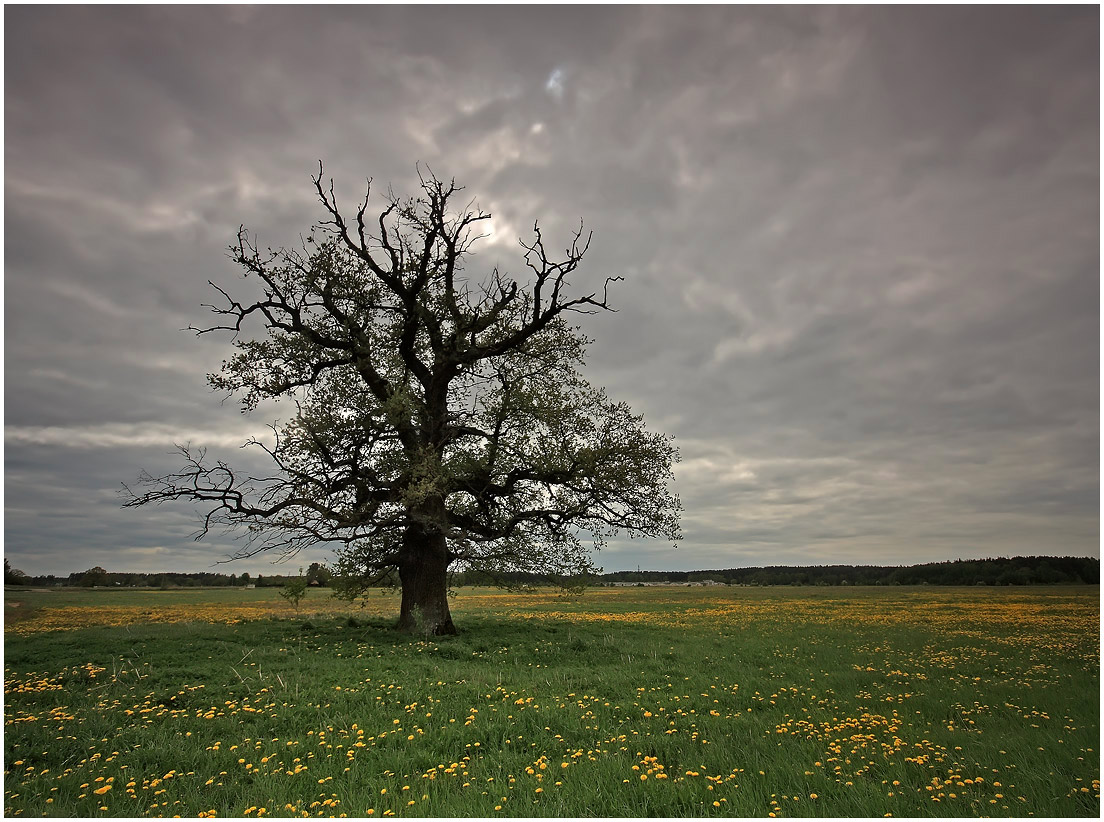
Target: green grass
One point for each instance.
(732, 702)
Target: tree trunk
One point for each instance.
(423, 570)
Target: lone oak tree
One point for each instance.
(439, 419)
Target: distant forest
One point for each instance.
(1001, 571)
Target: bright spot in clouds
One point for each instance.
(555, 83)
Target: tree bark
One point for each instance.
(423, 573)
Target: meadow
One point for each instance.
(660, 701)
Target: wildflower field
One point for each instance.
(626, 702)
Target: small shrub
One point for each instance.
(294, 590)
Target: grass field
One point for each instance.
(627, 702)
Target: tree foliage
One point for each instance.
(441, 420)
(94, 577)
(319, 574)
(13, 576)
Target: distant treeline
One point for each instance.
(98, 577)
(1000, 571)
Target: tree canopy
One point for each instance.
(441, 419)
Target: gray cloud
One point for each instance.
(861, 248)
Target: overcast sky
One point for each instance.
(861, 251)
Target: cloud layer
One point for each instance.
(861, 248)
